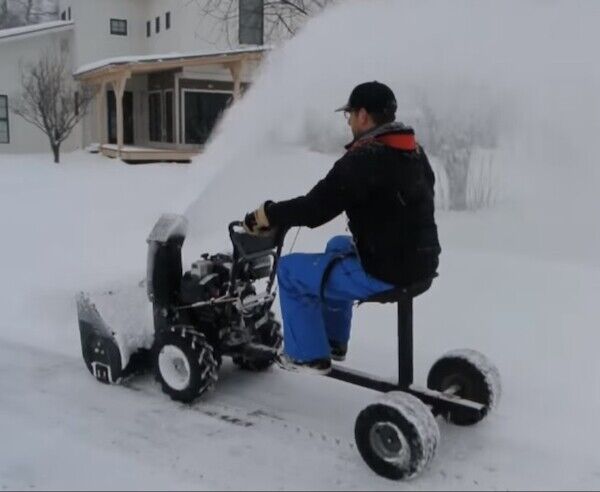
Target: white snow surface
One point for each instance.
(518, 282)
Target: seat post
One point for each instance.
(405, 342)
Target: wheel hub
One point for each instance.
(174, 367)
(389, 443)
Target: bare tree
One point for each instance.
(281, 17)
(16, 13)
(8, 17)
(50, 99)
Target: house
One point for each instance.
(162, 72)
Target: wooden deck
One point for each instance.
(138, 155)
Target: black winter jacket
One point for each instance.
(384, 183)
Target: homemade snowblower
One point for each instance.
(214, 310)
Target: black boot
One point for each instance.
(317, 366)
(338, 350)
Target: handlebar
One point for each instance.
(247, 247)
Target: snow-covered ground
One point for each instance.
(518, 282)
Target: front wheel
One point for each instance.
(185, 363)
(397, 436)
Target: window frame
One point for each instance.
(69, 13)
(157, 24)
(167, 21)
(114, 31)
(6, 119)
(148, 29)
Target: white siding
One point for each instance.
(24, 137)
(189, 31)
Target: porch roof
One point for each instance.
(158, 62)
(34, 29)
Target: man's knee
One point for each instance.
(341, 244)
(286, 267)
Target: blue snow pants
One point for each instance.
(314, 313)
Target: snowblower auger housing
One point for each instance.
(193, 319)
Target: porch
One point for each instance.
(140, 155)
(163, 108)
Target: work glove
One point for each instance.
(257, 222)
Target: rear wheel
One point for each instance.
(470, 375)
(185, 363)
(397, 436)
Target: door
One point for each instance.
(201, 112)
(127, 117)
(155, 116)
(160, 112)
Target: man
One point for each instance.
(384, 184)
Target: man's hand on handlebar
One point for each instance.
(257, 222)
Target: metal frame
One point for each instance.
(441, 403)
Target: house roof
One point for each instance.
(157, 61)
(34, 29)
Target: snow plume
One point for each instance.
(529, 67)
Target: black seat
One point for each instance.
(402, 293)
(403, 297)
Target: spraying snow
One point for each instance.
(532, 66)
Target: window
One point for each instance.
(76, 103)
(201, 112)
(4, 135)
(148, 29)
(118, 27)
(251, 16)
(63, 15)
(168, 20)
(69, 13)
(157, 24)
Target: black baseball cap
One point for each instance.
(374, 96)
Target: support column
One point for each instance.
(119, 88)
(101, 113)
(236, 75)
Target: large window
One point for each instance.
(201, 112)
(4, 133)
(251, 20)
(118, 27)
